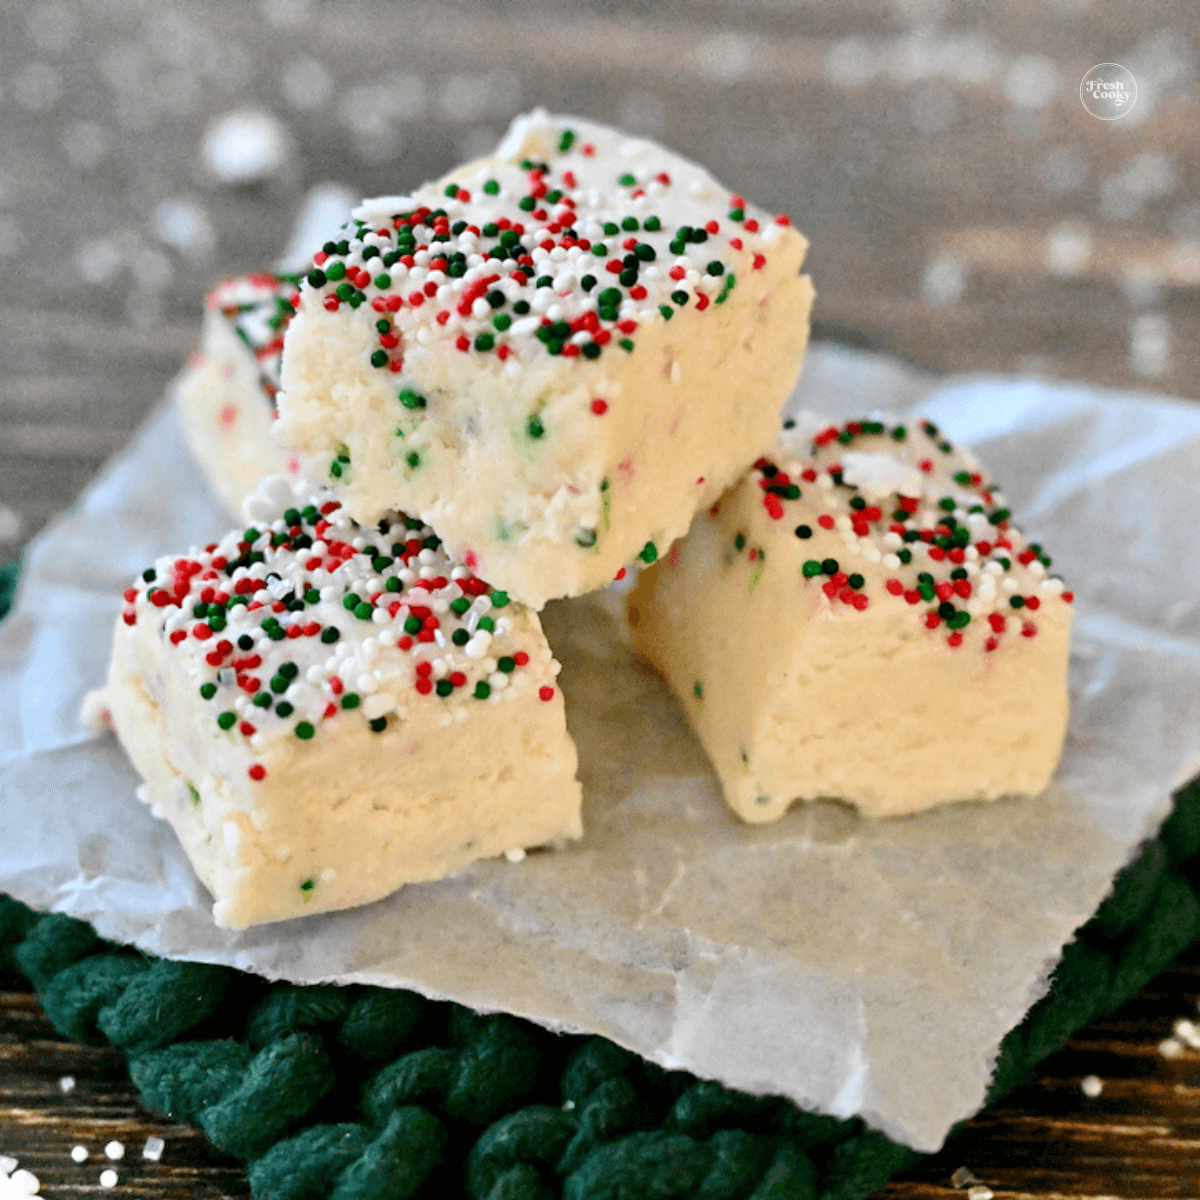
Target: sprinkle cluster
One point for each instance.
(259, 307)
(314, 619)
(951, 550)
(542, 258)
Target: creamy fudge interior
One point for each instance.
(554, 356)
(325, 712)
(860, 619)
(226, 394)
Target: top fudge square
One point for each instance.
(555, 356)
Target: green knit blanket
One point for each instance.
(360, 1093)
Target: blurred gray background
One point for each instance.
(965, 210)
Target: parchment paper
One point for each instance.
(857, 967)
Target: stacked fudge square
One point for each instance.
(511, 385)
(516, 381)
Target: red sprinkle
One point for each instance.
(546, 693)
(257, 772)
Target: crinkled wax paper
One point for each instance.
(854, 966)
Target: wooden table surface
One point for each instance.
(966, 212)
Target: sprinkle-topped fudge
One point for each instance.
(226, 395)
(860, 619)
(325, 712)
(555, 356)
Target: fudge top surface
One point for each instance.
(285, 626)
(565, 242)
(916, 518)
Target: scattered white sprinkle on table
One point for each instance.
(1091, 1085)
(7, 1165)
(979, 1192)
(67, 1084)
(115, 1151)
(962, 1177)
(1170, 1047)
(1187, 1032)
(108, 1179)
(21, 1183)
(153, 1149)
(79, 1153)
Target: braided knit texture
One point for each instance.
(362, 1093)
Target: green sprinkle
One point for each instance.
(487, 624)
(811, 568)
(959, 621)
(727, 287)
(317, 278)
(460, 637)
(411, 399)
(629, 224)
(1017, 601)
(413, 459)
(501, 321)
(279, 685)
(946, 504)
(483, 690)
(379, 358)
(443, 687)
(856, 581)
(499, 599)
(507, 665)
(364, 611)
(284, 708)
(484, 342)
(492, 187)
(262, 700)
(208, 690)
(335, 271)
(378, 725)
(829, 566)
(667, 311)
(737, 214)
(382, 280)
(527, 204)
(648, 553)
(308, 884)
(412, 625)
(653, 224)
(626, 344)
(330, 634)
(698, 690)
(926, 590)
(351, 700)
(460, 605)
(716, 267)
(535, 428)
(627, 180)
(585, 538)
(680, 298)
(226, 720)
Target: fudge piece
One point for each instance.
(555, 356)
(325, 712)
(226, 395)
(859, 619)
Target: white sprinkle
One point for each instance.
(108, 1179)
(1187, 1032)
(979, 1192)
(79, 1154)
(1091, 1085)
(1170, 1048)
(22, 1183)
(7, 1165)
(66, 1084)
(515, 855)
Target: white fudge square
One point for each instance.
(325, 712)
(859, 619)
(555, 356)
(226, 393)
